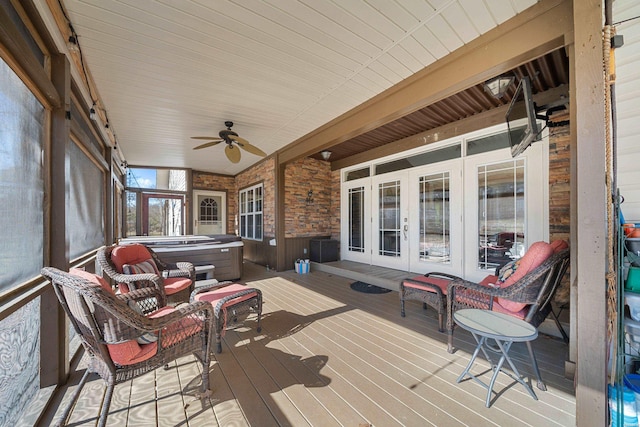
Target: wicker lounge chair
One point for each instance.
(121, 342)
(134, 266)
(529, 297)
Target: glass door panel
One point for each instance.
(390, 218)
(435, 218)
(501, 213)
(356, 226)
(162, 215)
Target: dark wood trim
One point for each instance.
(531, 34)
(280, 209)
(13, 45)
(54, 347)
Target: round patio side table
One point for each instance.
(504, 329)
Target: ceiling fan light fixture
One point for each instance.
(325, 154)
(498, 86)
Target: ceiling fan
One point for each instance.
(233, 141)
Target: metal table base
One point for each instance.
(504, 330)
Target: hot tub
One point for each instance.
(224, 251)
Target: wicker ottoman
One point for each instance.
(431, 289)
(230, 301)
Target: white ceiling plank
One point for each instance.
(430, 42)
(339, 15)
(400, 54)
(279, 69)
(443, 32)
(480, 15)
(460, 23)
(501, 10)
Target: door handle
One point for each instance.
(405, 231)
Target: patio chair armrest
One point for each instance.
(440, 275)
(147, 299)
(463, 293)
(180, 269)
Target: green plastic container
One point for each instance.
(633, 279)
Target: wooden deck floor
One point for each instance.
(328, 355)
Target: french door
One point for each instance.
(409, 220)
(390, 221)
(162, 215)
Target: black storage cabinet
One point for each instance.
(323, 250)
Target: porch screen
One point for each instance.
(85, 217)
(501, 213)
(21, 179)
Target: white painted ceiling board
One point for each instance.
(167, 70)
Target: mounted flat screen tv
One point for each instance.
(521, 119)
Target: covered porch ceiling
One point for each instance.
(163, 71)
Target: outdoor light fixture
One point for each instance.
(498, 85)
(310, 197)
(325, 154)
(92, 112)
(72, 44)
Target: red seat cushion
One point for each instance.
(441, 283)
(214, 296)
(175, 284)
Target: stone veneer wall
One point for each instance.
(215, 182)
(262, 172)
(560, 191)
(302, 218)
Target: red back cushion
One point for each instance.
(536, 255)
(93, 278)
(559, 245)
(125, 353)
(129, 254)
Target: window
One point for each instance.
(251, 212)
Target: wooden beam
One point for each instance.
(451, 130)
(588, 126)
(531, 34)
(53, 327)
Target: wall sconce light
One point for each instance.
(325, 154)
(498, 86)
(309, 199)
(92, 112)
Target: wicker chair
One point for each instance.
(133, 266)
(534, 291)
(112, 329)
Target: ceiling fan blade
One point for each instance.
(244, 144)
(210, 138)
(233, 153)
(208, 144)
